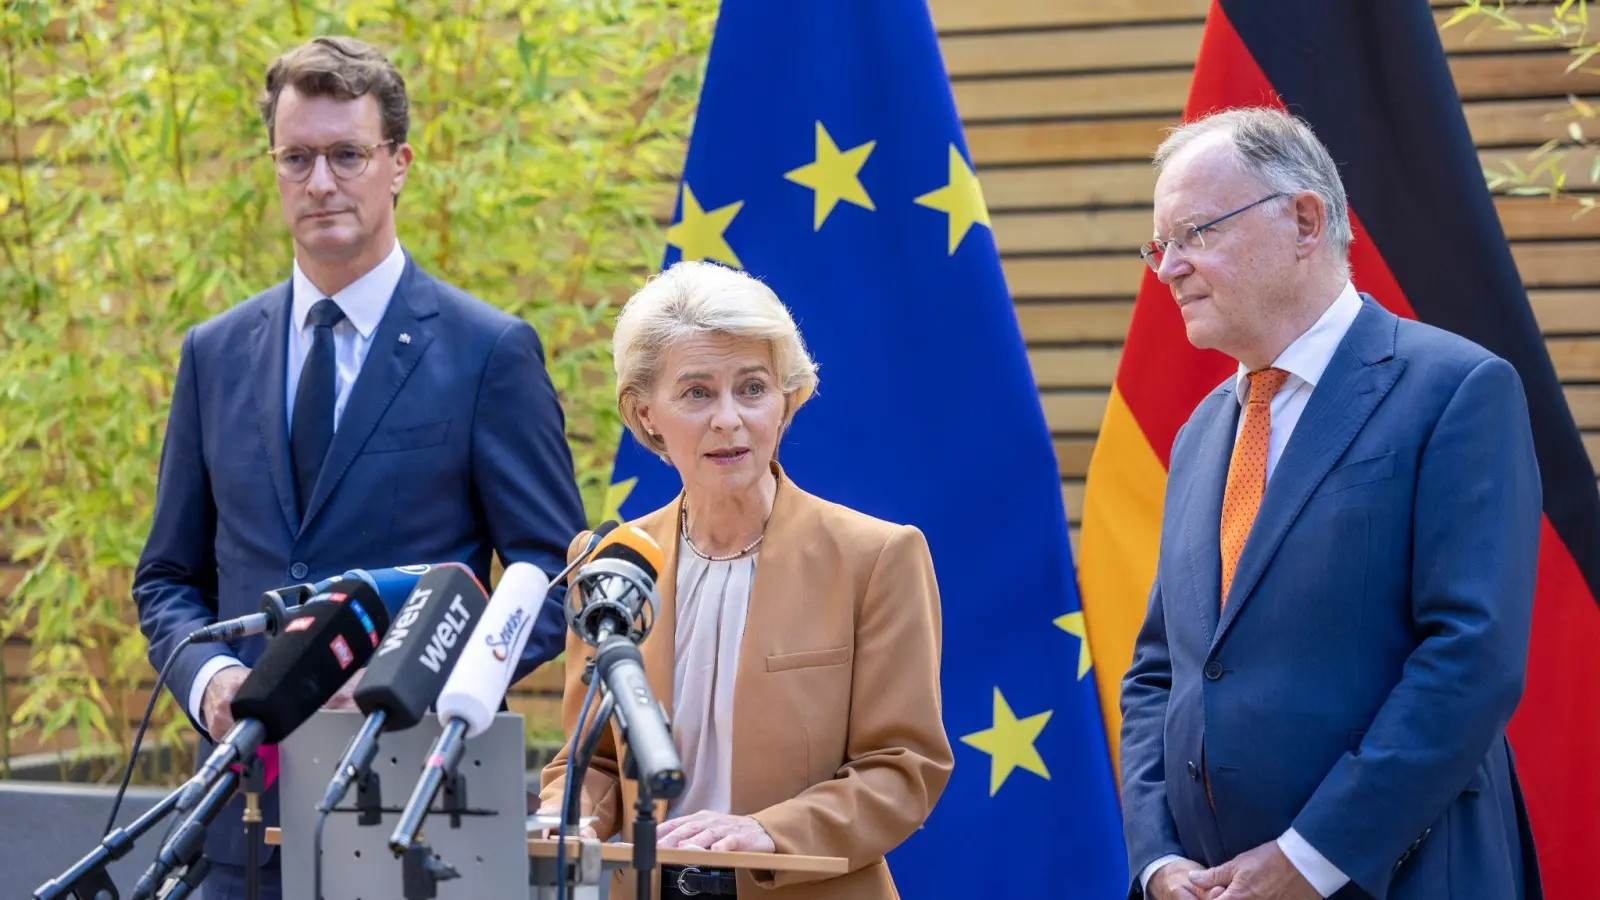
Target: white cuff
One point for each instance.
(197, 688)
(1150, 871)
(1323, 875)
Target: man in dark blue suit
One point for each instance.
(1338, 629)
(360, 415)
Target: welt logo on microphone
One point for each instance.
(500, 640)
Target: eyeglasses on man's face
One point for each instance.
(346, 159)
(1191, 237)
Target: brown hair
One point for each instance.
(344, 69)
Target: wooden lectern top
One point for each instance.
(712, 859)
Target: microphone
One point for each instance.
(393, 586)
(618, 592)
(476, 686)
(314, 654)
(275, 607)
(617, 588)
(411, 665)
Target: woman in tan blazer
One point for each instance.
(796, 645)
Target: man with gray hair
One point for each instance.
(1338, 628)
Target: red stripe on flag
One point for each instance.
(1557, 725)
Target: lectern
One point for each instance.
(480, 832)
(590, 862)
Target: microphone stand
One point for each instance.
(644, 832)
(254, 784)
(585, 753)
(87, 878)
(186, 844)
(190, 882)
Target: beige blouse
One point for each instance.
(712, 600)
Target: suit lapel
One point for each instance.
(389, 363)
(1202, 514)
(269, 358)
(780, 571)
(1359, 376)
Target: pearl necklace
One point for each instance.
(683, 520)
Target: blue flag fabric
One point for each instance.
(827, 159)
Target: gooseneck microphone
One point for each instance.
(320, 646)
(476, 686)
(393, 587)
(275, 607)
(410, 665)
(616, 611)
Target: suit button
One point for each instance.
(1194, 771)
(298, 570)
(1213, 668)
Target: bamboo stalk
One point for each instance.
(5, 716)
(172, 94)
(22, 184)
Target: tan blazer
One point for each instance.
(838, 744)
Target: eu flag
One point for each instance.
(827, 159)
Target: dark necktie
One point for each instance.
(311, 429)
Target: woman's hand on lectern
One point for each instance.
(715, 831)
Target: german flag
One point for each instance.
(1371, 79)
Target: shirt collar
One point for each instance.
(364, 300)
(1308, 357)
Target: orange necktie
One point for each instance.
(1247, 471)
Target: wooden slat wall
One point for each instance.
(1063, 102)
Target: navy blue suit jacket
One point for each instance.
(1358, 683)
(451, 448)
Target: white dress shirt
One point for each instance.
(364, 302)
(1305, 360)
(712, 600)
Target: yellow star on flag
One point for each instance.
(1009, 743)
(1072, 623)
(616, 495)
(961, 200)
(834, 176)
(699, 233)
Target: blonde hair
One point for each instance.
(693, 298)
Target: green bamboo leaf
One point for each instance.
(10, 497)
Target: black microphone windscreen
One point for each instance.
(426, 638)
(311, 657)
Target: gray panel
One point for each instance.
(490, 852)
(44, 828)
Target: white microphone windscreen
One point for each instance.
(483, 674)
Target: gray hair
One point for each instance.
(1281, 150)
(694, 298)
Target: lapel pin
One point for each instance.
(405, 338)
